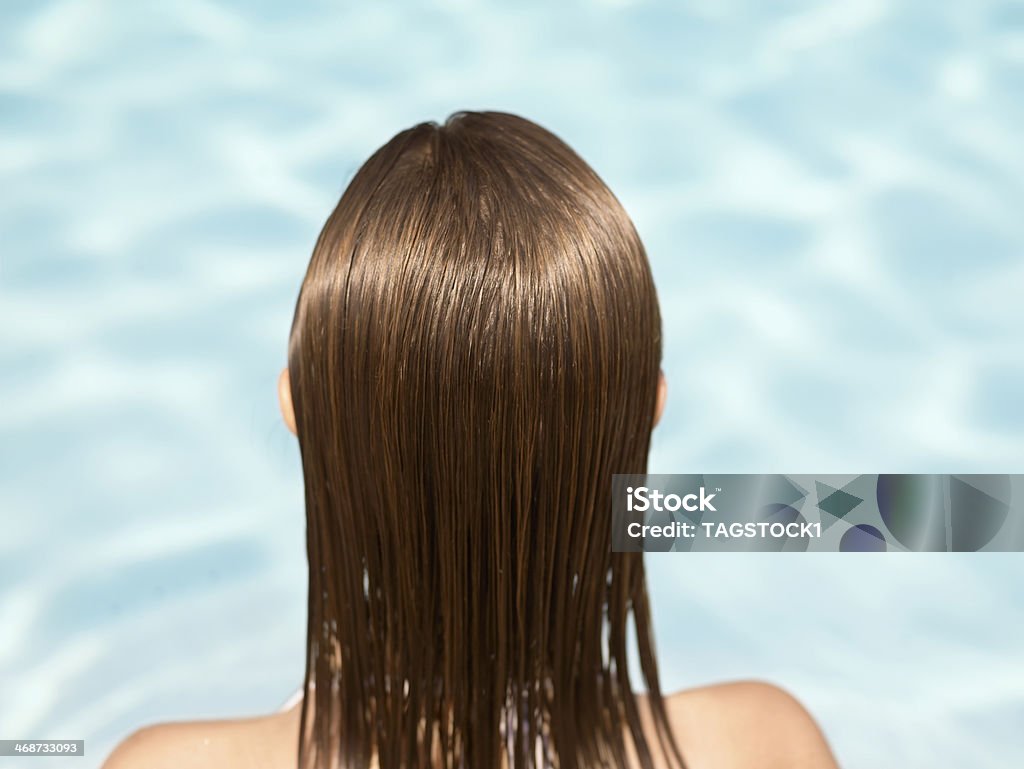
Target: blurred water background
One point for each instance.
(831, 197)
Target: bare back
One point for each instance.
(744, 725)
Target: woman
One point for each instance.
(474, 353)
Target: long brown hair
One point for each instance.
(474, 353)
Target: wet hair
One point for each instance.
(475, 351)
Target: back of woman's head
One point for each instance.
(474, 353)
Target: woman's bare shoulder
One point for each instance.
(727, 726)
(265, 741)
(746, 724)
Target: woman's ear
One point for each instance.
(659, 406)
(284, 400)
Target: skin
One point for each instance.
(741, 725)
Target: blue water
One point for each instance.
(830, 194)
